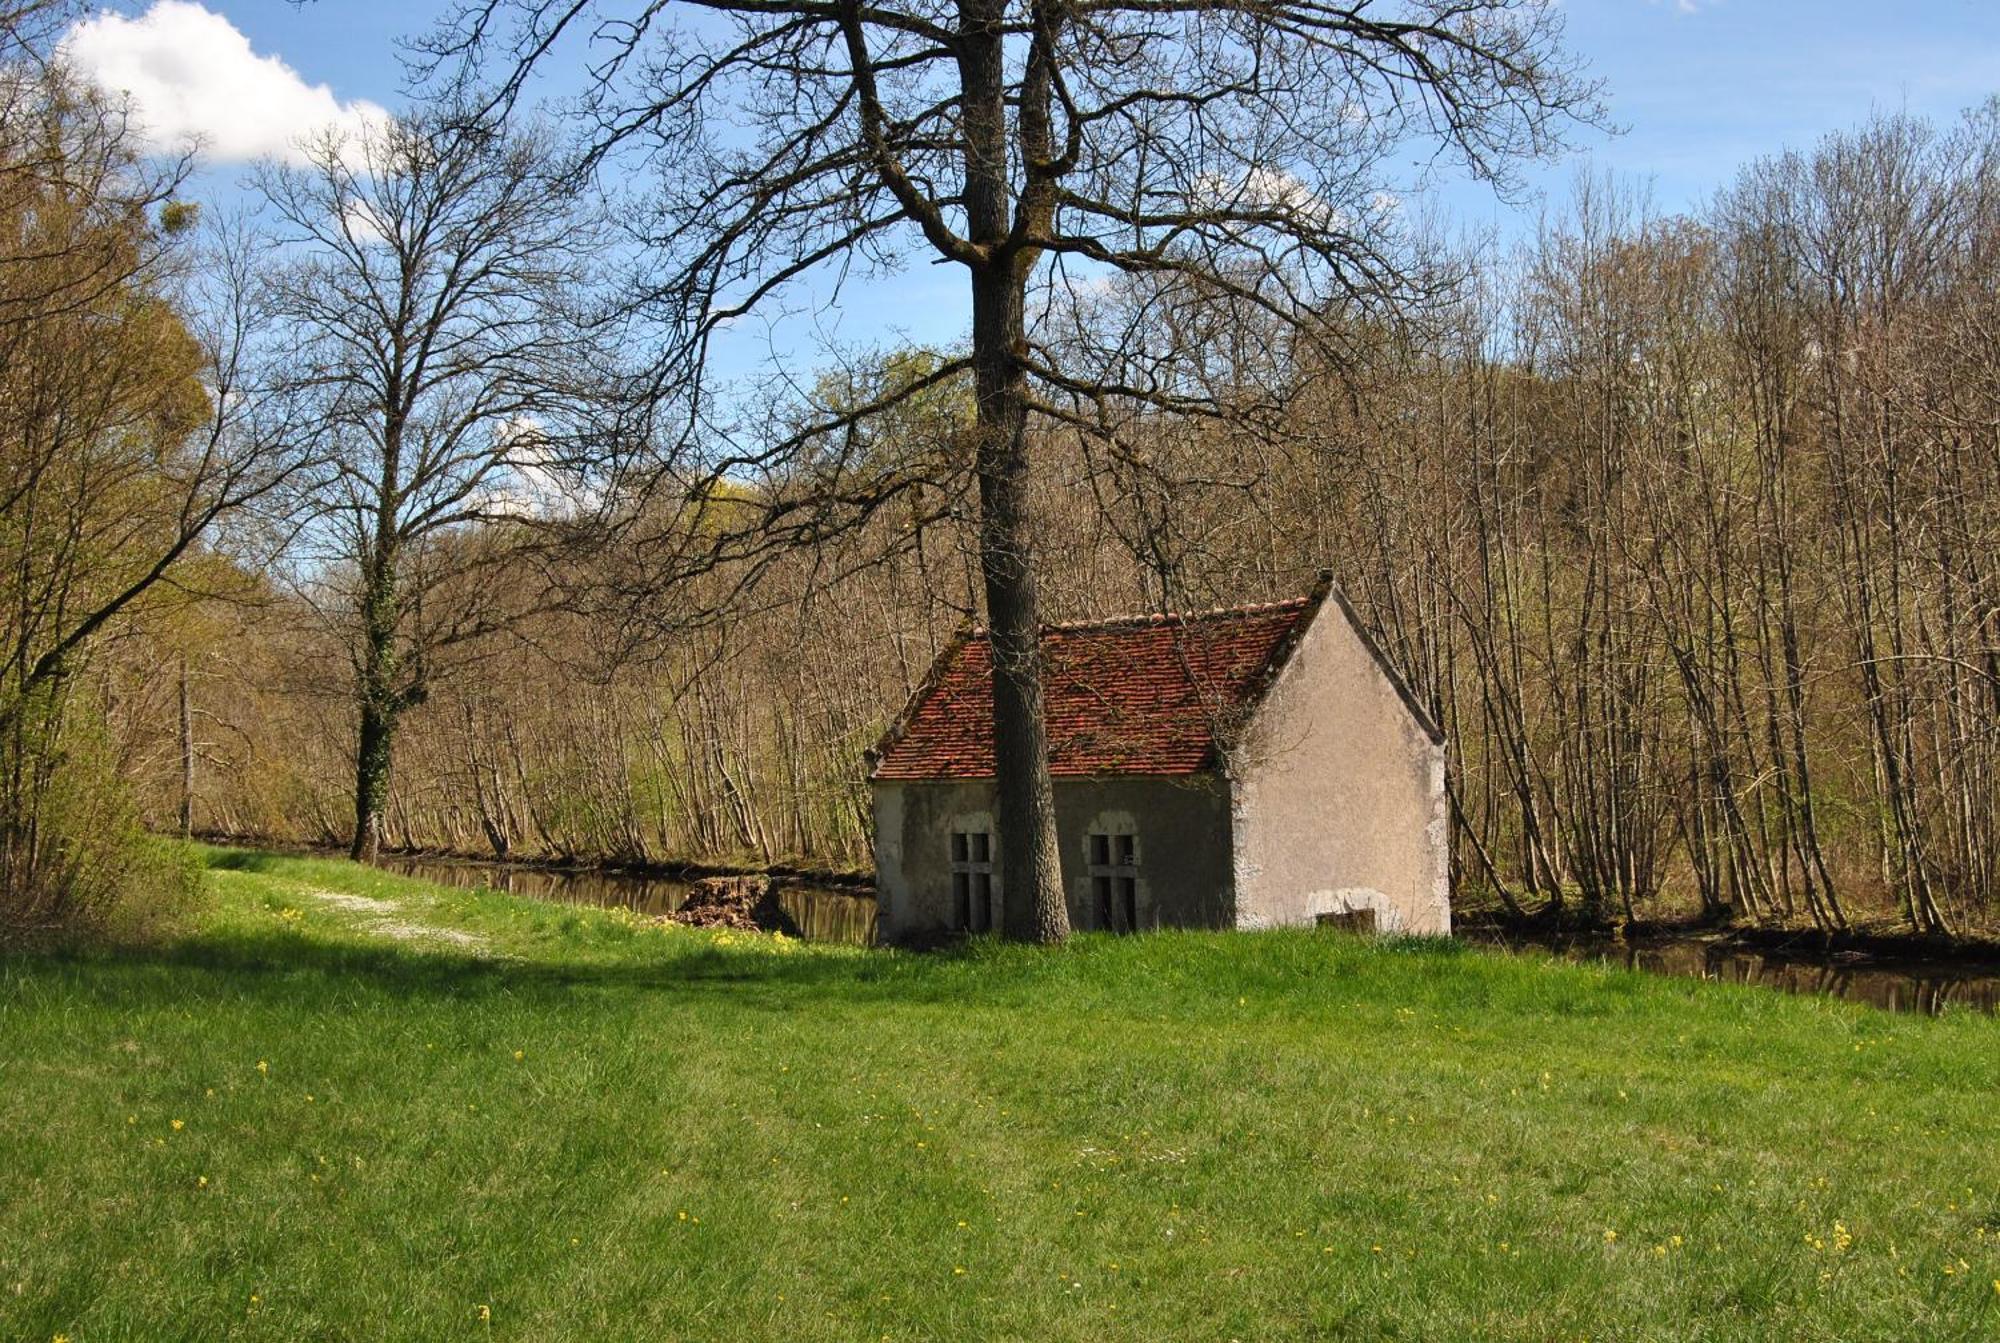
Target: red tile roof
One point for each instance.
(1145, 695)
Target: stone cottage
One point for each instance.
(1241, 768)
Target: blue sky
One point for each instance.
(1700, 86)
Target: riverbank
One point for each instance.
(1890, 971)
(1881, 937)
(848, 914)
(1900, 983)
(354, 1105)
(1484, 921)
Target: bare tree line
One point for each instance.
(1683, 526)
(1693, 545)
(429, 317)
(1215, 158)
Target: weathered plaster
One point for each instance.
(1181, 828)
(1338, 800)
(1332, 801)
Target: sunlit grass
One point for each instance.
(454, 1114)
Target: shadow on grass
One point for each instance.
(307, 973)
(304, 969)
(246, 860)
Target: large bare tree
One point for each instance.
(1227, 156)
(437, 271)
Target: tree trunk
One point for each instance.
(1032, 901)
(371, 779)
(378, 701)
(187, 754)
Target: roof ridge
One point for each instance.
(1142, 620)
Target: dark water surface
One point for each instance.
(829, 914)
(1896, 985)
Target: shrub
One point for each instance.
(75, 863)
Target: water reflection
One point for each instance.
(1898, 986)
(820, 913)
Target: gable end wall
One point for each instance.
(1338, 799)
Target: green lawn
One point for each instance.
(453, 1115)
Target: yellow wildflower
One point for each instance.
(485, 1314)
(178, 1125)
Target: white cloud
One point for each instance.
(1266, 188)
(527, 478)
(362, 223)
(193, 78)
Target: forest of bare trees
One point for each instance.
(1213, 164)
(1683, 525)
(410, 514)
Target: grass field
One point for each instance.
(356, 1106)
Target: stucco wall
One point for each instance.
(1182, 829)
(1339, 800)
